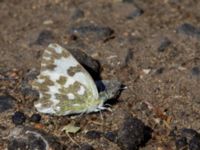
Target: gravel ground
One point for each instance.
(152, 47)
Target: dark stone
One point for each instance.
(175, 1)
(195, 71)
(6, 103)
(93, 134)
(112, 136)
(165, 42)
(160, 70)
(21, 138)
(73, 37)
(31, 74)
(27, 91)
(127, 58)
(135, 13)
(45, 37)
(77, 13)
(18, 118)
(91, 65)
(15, 145)
(92, 31)
(133, 134)
(86, 147)
(37, 144)
(188, 133)
(128, 1)
(189, 30)
(35, 118)
(194, 143)
(181, 143)
(184, 136)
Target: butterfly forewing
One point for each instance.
(60, 61)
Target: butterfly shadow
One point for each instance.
(91, 65)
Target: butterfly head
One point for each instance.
(108, 89)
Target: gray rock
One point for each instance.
(110, 136)
(165, 42)
(187, 138)
(128, 1)
(195, 71)
(93, 134)
(86, 146)
(77, 13)
(132, 133)
(44, 38)
(83, 146)
(127, 58)
(194, 143)
(92, 31)
(188, 133)
(27, 138)
(31, 74)
(189, 30)
(181, 143)
(136, 13)
(6, 103)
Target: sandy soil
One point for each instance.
(151, 46)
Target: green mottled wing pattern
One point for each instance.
(64, 86)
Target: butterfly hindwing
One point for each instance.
(65, 87)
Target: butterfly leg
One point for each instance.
(104, 108)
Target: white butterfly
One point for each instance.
(65, 87)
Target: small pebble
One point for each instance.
(35, 118)
(188, 133)
(93, 134)
(194, 143)
(28, 92)
(77, 13)
(6, 103)
(31, 74)
(135, 13)
(146, 71)
(164, 44)
(128, 1)
(181, 143)
(196, 71)
(127, 57)
(133, 134)
(18, 118)
(111, 136)
(96, 31)
(86, 147)
(189, 30)
(28, 138)
(45, 37)
(47, 22)
(160, 70)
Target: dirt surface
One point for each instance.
(151, 46)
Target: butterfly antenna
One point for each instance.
(109, 105)
(101, 115)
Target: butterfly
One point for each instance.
(65, 87)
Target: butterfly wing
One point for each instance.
(65, 87)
